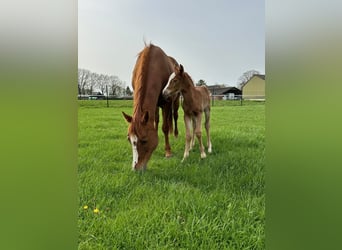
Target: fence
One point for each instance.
(216, 100)
(103, 97)
(236, 100)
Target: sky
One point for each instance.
(215, 40)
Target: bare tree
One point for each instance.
(95, 79)
(83, 80)
(116, 86)
(246, 77)
(89, 81)
(103, 81)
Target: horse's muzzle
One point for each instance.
(140, 167)
(166, 93)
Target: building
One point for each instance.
(254, 89)
(224, 93)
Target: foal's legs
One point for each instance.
(207, 128)
(192, 143)
(187, 122)
(198, 132)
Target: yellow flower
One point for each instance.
(85, 207)
(96, 210)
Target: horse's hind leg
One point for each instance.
(198, 133)
(156, 121)
(166, 128)
(207, 128)
(175, 114)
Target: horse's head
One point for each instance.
(174, 84)
(143, 136)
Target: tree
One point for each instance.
(84, 80)
(102, 82)
(201, 82)
(116, 86)
(246, 77)
(95, 82)
(128, 91)
(88, 82)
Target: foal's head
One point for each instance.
(143, 137)
(176, 81)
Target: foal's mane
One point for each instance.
(188, 78)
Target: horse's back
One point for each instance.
(205, 94)
(203, 90)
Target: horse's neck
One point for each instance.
(146, 100)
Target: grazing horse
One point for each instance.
(150, 75)
(196, 100)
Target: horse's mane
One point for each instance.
(140, 76)
(173, 61)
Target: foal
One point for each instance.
(196, 101)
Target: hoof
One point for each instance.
(168, 154)
(203, 155)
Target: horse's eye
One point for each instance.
(143, 142)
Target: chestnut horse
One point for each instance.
(150, 75)
(196, 100)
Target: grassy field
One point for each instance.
(215, 203)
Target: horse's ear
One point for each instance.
(127, 117)
(144, 118)
(181, 69)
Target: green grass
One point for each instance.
(215, 203)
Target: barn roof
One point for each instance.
(222, 90)
(260, 76)
(257, 75)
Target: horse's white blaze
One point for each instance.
(134, 142)
(165, 91)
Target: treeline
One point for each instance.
(91, 82)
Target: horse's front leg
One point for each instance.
(187, 122)
(166, 129)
